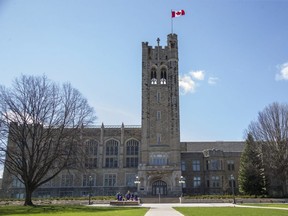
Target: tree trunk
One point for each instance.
(28, 197)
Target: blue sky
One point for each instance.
(233, 55)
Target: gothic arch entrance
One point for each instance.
(159, 187)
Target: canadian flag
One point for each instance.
(178, 13)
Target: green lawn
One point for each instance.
(71, 211)
(276, 205)
(229, 211)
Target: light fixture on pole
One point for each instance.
(90, 189)
(137, 181)
(232, 187)
(182, 182)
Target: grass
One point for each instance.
(227, 211)
(276, 205)
(66, 210)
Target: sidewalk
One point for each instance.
(166, 209)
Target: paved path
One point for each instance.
(166, 209)
(161, 209)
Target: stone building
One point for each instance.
(147, 159)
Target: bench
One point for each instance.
(124, 203)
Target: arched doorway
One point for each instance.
(159, 187)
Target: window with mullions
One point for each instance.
(132, 162)
(132, 153)
(90, 163)
(230, 164)
(213, 165)
(196, 181)
(91, 147)
(132, 147)
(111, 154)
(158, 159)
(67, 180)
(215, 181)
(196, 165)
(110, 180)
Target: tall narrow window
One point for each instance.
(158, 138)
(111, 154)
(91, 148)
(183, 166)
(153, 76)
(158, 117)
(196, 181)
(132, 153)
(158, 97)
(163, 77)
(231, 166)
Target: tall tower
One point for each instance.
(159, 169)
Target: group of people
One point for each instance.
(128, 197)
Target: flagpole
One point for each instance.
(171, 23)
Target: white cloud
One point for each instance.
(213, 80)
(198, 75)
(190, 81)
(283, 74)
(186, 84)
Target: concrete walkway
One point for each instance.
(166, 209)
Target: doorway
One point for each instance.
(159, 187)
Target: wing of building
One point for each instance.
(147, 159)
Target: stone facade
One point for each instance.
(152, 153)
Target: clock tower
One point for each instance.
(159, 170)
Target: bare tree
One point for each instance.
(271, 132)
(40, 124)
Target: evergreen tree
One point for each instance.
(251, 174)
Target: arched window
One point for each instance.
(91, 149)
(163, 77)
(111, 153)
(132, 153)
(153, 76)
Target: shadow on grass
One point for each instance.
(28, 210)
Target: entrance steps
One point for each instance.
(156, 199)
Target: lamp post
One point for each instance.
(232, 187)
(182, 182)
(90, 189)
(137, 182)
